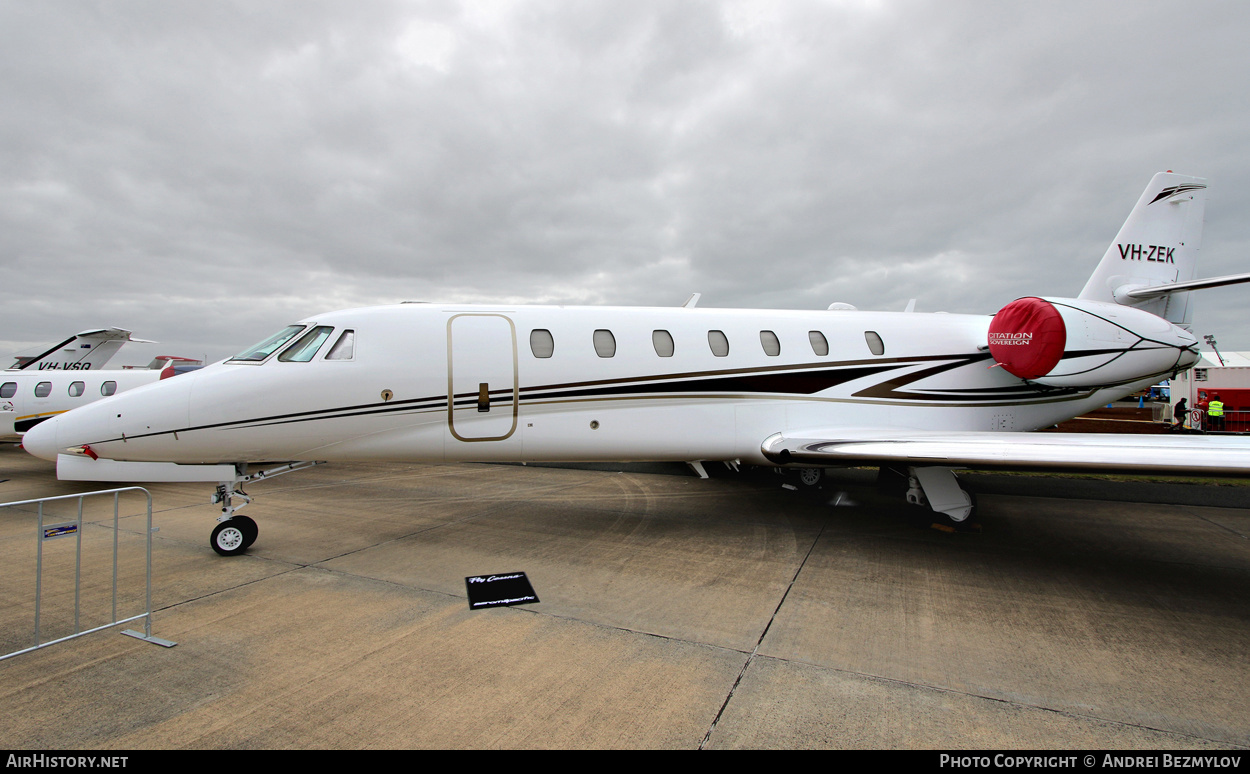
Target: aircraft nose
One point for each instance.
(40, 440)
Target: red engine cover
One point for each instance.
(1027, 337)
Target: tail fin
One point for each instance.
(1157, 245)
(88, 350)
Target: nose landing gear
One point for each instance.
(234, 533)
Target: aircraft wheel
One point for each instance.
(250, 530)
(964, 520)
(229, 538)
(809, 478)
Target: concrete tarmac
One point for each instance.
(675, 613)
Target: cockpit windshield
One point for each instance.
(303, 350)
(269, 345)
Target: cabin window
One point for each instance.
(663, 343)
(875, 345)
(605, 343)
(718, 342)
(344, 348)
(269, 345)
(108, 388)
(303, 350)
(76, 389)
(770, 343)
(8, 389)
(43, 389)
(542, 344)
(820, 345)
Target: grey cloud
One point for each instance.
(208, 171)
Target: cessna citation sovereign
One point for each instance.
(917, 393)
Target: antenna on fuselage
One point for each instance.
(692, 301)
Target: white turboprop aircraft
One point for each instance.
(918, 393)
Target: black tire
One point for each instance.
(229, 538)
(250, 530)
(968, 522)
(808, 478)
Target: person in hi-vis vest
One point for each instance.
(1215, 413)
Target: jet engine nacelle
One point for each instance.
(1067, 342)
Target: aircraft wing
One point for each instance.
(1189, 455)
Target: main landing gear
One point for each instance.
(934, 488)
(809, 478)
(939, 490)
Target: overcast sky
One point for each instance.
(203, 173)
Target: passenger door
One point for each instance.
(481, 377)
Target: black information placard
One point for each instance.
(499, 590)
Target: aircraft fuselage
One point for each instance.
(431, 382)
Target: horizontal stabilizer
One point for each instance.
(1146, 292)
(90, 349)
(112, 334)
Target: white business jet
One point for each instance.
(918, 393)
(28, 398)
(69, 374)
(82, 352)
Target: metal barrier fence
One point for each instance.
(1231, 422)
(64, 529)
(1234, 421)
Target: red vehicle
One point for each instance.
(1236, 407)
